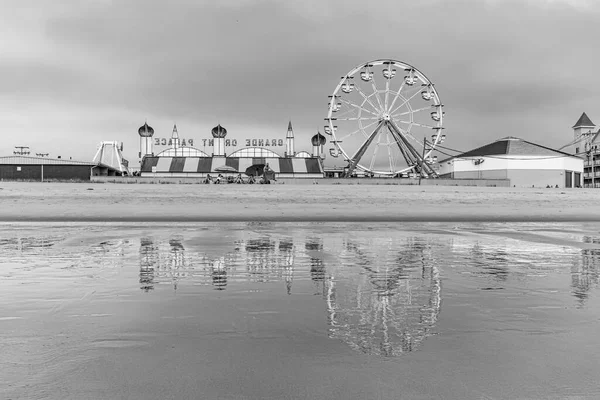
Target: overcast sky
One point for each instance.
(75, 72)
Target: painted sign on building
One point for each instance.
(228, 142)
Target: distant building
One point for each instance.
(524, 163)
(29, 168)
(109, 160)
(585, 145)
(180, 161)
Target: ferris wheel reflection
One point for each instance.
(382, 297)
(392, 306)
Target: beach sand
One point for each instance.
(28, 201)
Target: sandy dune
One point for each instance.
(168, 202)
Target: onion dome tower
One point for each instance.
(318, 142)
(219, 133)
(146, 145)
(289, 141)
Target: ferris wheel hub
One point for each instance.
(385, 117)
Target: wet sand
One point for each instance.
(352, 203)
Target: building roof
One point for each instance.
(511, 146)
(29, 160)
(191, 165)
(254, 152)
(584, 121)
(183, 151)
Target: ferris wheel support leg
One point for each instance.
(408, 157)
(424, 169)
(416, 159)
(361, 151)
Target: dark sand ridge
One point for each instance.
(196, 203)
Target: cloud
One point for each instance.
(524, 67)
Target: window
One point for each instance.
(19, 169)
(576, 150)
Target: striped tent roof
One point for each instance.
(208, 164)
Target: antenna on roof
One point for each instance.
(21, 150)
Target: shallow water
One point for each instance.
(299, 311)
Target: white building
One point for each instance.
(524, 163)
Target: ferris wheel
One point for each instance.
(385, 118)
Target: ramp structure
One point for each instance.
(109, 160)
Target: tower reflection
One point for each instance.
(218, 272)
(148, 261)
(585, 272)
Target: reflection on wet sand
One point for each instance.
(585, 272)
(381, 300)
(382, 293)
(393, 304)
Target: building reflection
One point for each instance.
(218, 272)
(317, 267)
(286, 250)
(585, 272)
(267, 260)
(161, 265)
(148, 262)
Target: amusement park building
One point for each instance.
(180, 161)
(524, 163)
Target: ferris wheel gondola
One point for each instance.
(384, 118)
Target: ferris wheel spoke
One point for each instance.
(397, 94)
(358, 119)
(346, 113)
(423, 125)
(412, 111)
(409, 135)
(357, 106)
(405, 101)
(366, 99)
(375, 90)
(361, 129)
(387, 93)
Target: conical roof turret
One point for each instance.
(584, 121)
